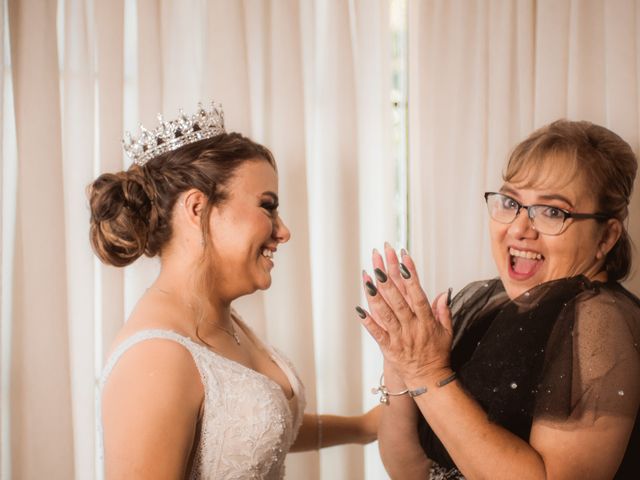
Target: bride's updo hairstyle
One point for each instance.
(587, 153)
(131, 210)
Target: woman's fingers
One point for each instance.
(411, 334)
(443, 312)
(378, 333)
(392, 283)
(377, 260)
(393, 268)
(417, 297)
(393, 297)
(434, 306)
(379, 270)
(379, 308)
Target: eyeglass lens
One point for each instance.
(545, 219)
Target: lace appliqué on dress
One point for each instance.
(247, 425)
(440, 473)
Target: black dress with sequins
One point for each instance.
(565, 351)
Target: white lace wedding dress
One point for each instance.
(247, 426)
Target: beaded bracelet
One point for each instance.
(385, 393)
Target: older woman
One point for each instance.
(535, 374)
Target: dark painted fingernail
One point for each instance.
(404, 271)
(371, 288)
(380, 275)
(449, 296)
(361, 313)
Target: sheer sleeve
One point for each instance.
(593, 362)
(565, 352)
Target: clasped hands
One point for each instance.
(414, 336)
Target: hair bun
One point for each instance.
(121, 210)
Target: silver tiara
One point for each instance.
(169, 136)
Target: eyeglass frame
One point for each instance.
(600, 216)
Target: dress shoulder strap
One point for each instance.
(138, 337)
(117, 353)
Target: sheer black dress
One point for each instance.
(565, 351)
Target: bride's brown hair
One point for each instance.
(131, 210)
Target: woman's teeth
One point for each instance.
(267, 253)
(530, 255)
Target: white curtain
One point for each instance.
(297, 76)
(482, 76)
(310, 79)
(40, 383)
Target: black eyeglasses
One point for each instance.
(544, 218)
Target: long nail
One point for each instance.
(371, 288)
(380, 275)
(404, 271)
(361, 313)
(403, 253)
(449, 296)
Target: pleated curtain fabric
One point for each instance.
(78, 143)
(377, 180)
(332, 80)
(4, 371)
(40, 380)
(482, 76)
(108, 21)
(277, 104)
(587, 67)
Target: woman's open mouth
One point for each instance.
(267, 253)
(523, 264)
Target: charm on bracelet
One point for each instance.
(385, 393)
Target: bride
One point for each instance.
(189, 391)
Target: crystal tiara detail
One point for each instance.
(173, 134)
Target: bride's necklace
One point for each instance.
(231, 332)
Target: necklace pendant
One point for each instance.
(231, 332)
